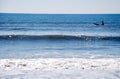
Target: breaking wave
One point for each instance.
(58, 37)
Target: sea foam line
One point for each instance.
(59, 63)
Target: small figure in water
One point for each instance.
(102, 23)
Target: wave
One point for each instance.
(45, 23)
(58, 37)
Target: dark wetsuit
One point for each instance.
(102, 23)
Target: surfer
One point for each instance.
(102, 23)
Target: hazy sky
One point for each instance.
(60, 6)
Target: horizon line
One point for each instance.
(51, 13)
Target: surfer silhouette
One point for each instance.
(102, 23)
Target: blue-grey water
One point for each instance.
(59, 36)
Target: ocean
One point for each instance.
(25, 36)
(59, 46)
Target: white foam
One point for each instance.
(60, 63)
(60, 74)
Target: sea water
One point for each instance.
(59, 36)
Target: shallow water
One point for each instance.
(66, 74)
